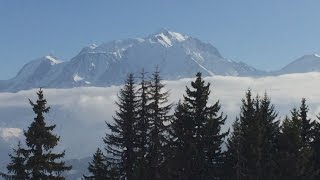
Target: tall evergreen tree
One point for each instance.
(290, 156)
(120, 142)
(98, 167)
(17, 168)
(234, 162)
(251, 128)
(269, 138)
(253, 143)
(306, 131)
(42, 162)
(306, 135)
(182, 144)
(196, 130)
(316, 148)
(142, 128)
(159, 119)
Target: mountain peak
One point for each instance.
(167, 37)
(52, 60)
(316, 55)
(93, 46)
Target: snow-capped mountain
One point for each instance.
(176, 55)
(306, 63)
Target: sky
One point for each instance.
(265, 34)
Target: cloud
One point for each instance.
(9, 133)
(80, 113)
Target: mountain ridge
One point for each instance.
(177, 56)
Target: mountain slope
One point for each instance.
(306, 63)
(176, 55)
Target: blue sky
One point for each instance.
(264, 34)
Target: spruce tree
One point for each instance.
(159, 119)
(254, 140)
(142, 128)
(16, 168)
(269, 138)
(250, 125)
(120, 142)
(316, 148)
(182, 144)
(290, 156)
(196, 130)
(42, 162)
(98, 167)
(306, 135)
(306, 131)
(244, 143)
(234, 161)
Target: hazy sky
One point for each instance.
(264, 34)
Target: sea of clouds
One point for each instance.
(80, 113)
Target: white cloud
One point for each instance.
(80, 113)
(9, 133)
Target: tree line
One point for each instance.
(151, 138)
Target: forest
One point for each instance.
(152, 138)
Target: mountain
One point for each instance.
(176, 55)
(34, 74)
(306, 63)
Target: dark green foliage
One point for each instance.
(42, 162)
(16, 168)
(291, 164)
(158, 130)
(39, 138)
(316, 149)
(146, 143)
(306, 136)
(37, 161)
(196, 134)
(252, 146)
(98, 167)
(251, 138)
(142, 128)
(306, 124)
(120, 142)
(298, 146)
(234, 164)
(269, 138)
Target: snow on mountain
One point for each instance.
(52, 60)
(306, 63)
(176, 55)
(37, 73)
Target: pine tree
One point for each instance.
(251, 136)
(316, 148)
(196, 130)
(16, 168)
(159, 119)
(98, 167)
(306, 123)
(120, 142)
(244, 143)
(234, 161)
(182, 144)
(269, 138)
(253, 143)
(142, 128)
(306, 135)
(42, 162)
(290, 156)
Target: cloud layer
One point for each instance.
(80, 113)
